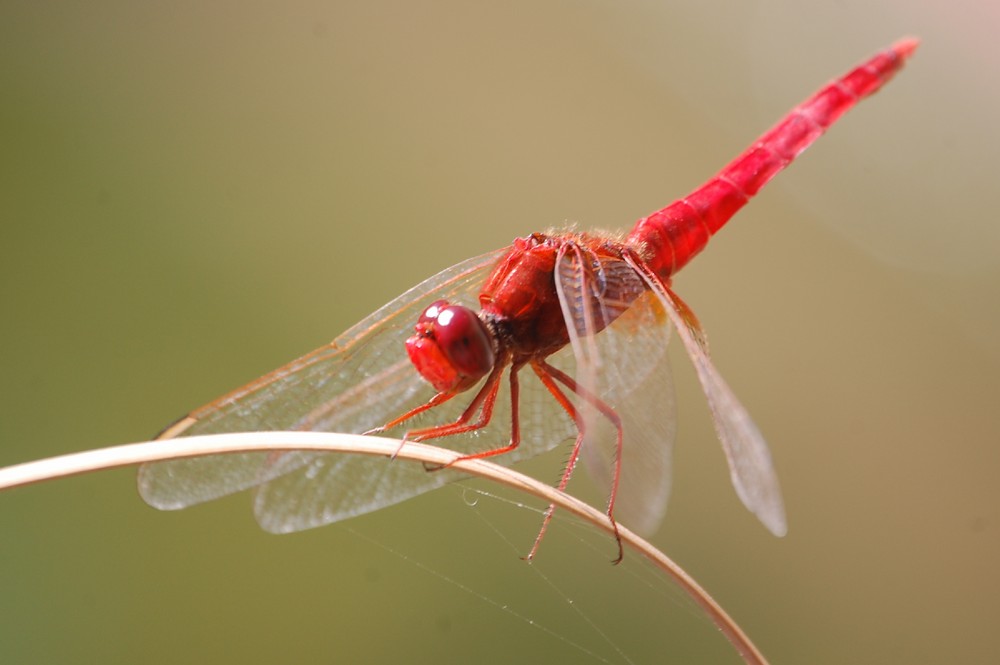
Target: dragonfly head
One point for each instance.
(451, 347)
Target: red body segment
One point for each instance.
(669, 238)
(520, 293)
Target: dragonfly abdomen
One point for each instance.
(671, 237)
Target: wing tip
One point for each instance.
(779, 527)
(771, 513)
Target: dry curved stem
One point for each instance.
(194, 446)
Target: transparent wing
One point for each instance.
(359, 381)
(750, 466)
(619, 335)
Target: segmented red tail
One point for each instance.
(671, 237)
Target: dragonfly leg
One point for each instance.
(487, 393)
(548, 376)
(437, 400)
(515, 426)
(483, 402)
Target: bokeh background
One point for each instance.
(194, 193)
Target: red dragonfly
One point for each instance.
(588, 314)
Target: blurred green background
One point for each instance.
(194, 193)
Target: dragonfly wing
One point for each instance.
(312, 489)
(307, 490)
(359, 381)
(325, 488)
(638, 383)
(750, 466)
(619, 337)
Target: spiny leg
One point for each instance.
(437, 400)
(546, 373)
(488, 403)
(609, 413)
(483, 402)
(515, 424)
(574, 453)
(486, 396)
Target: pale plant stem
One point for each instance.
(194, 446)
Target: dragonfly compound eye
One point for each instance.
(451, 347)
